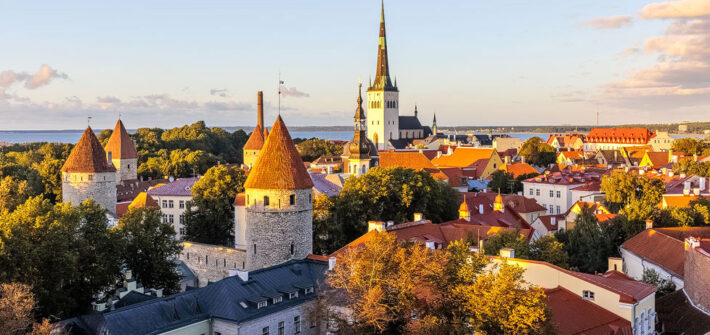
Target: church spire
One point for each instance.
(359, 113)
(382, 76)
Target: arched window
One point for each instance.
(292, 199)
(266, 201)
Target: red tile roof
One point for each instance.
(664, 246)
(240, 199)
(518, 203)
(256, 139)
(143, 200)
(88, 155)
(120, 143)
(629, 289)
(619, 135)
(463, 157)
(279, 165)
(546, 221)
(657, 158)
(518, 169)
(408, 159)
(570, 314)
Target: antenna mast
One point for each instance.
(281, 82)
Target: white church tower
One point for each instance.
(382, 98)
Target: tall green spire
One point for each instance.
(382, 76)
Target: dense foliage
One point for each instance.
(634, 196)
(69, 254)
(394, 287)
(690, 166)
(31, 170)
(691, 146)
(17, 305)
(387, 194)
(506, 183)
(535, 151)
(313, 148)
(545, 248)
(209, 218)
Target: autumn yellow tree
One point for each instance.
(392, 287)
(16, 312)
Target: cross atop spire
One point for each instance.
(382, 76)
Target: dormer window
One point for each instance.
(277, 300)
(588, 295)
(308, 290)
(261, 304)
(293, 295)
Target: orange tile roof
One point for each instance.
(518, 169)
(657, 158)
(279, 165)
(120, 143)
(655, 246)
(408, 159)
(572, 154)
(88, 155)
(240, 199)
(143, 200)
(678, 200)
(463, 157)
(570, 314)
(619, 135)
(256, 139)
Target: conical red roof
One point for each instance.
(88, 155)
(120, 143)
(279, 165)
(256, 139)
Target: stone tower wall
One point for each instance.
(77, 187)
(250, 157)
(126, 169)
(271, 231)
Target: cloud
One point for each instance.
(219, 92)
(293, 92)
(629, 51)
(611, 22)
(676, 9)
(43, 77)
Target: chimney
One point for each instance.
(330, 169)
(649, 224)
(507, 253)
(702, 183)
(671, 173)
(375, 225)
(418, 217)
(390, 223)
(686, 187)
(438, 154)
(243, 275)
(553, 221)
(99, 306)
(615, 264)
(331, 263)
(696, 191)
(682, 175)
(260, 104)
(691, 243)
(480, 209)
(430, 244)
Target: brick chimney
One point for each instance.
(507, 253)
(418, 217)
(649, 224)
(375, 225)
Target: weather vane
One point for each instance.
(88, 121)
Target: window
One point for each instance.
(207, 258)
(182, 219)
(559, 194)
(531, 191)
(297, 324)
(171, 218)
(589, 295)
(91, 177)
(165, 218)
(181, 204)
(308, 290)
(537, 192)
(552, 210)
(558, 209)
(171, 204)
(278, 299)
(266, 201)
(293, 295)
(255, 248)
(281, 328)
(265, 330)
(552, 193)
(261, 304)
(292, 199)
(650, 318)
(182, 232)
(165, 204)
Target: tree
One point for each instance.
(394, 287)
(313, 148)
(392, 194)
(326, 237)
(502, 181)
(150, 248)
(589, 244)
(546, 248)
(536, 152)
(16, 312)
(664, 285)
(209, 218)
(13, 193)
(635, 195)
(690, 146)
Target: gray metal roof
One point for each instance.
(179, 187)
(218, 300)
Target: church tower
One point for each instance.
(279, 204)
(256, 139)
(122, 153)
(382, 97)
(434, 129)
(87, 174)
(359, 154)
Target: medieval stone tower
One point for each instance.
(278, 224)
(382, 98)
(121, 152)
(256, 139)
(87, 174)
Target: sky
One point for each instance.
(483, 63)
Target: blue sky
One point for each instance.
(167, 63)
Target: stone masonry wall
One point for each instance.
(77, 187)
(126, 169)
(270, 232)
(697, 272)
(250, 157)
(211, 263)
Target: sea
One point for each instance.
(72, 136)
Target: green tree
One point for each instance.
(313, 148)
(546, 248)
(392, 194)
(13, 193)
(690, 146)
(503, 181)
(636, 195)
(326, 237)
(589, 244)
(209, 218)
(664, 286)
(150, 248)
(536, 152)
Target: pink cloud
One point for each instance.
(612, 22)
(676, 9)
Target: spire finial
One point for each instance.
(382, 12)
(88, 121)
